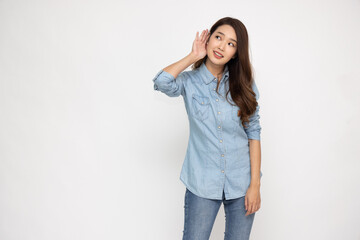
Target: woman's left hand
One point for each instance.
(252, 199)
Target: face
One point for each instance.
(222, 41)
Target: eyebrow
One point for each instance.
(230, 38)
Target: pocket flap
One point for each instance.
(201, 99)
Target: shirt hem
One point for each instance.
(200, 195)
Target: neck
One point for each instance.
(216, 70)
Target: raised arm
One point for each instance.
(170, 79)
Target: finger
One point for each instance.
(254, 208)
(251, 208)
(206, 35)
(246, 204)
(202, 36)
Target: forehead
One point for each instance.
(228, 31)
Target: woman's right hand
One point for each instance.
(199, 44)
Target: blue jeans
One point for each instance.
(200, 214)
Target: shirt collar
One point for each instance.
(207, 75)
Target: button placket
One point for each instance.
(218, 117)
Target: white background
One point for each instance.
(88, 149)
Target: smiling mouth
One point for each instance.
(218, 55)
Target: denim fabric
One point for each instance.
(217, 158)
(200, 214)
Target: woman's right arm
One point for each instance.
(170, 79)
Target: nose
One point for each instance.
(222, 45)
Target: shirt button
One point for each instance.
(218, 112)
(202, 103)
(217, 100)
(222, 171)
(214, 89)
(222, 155)
(219, 127)
(220, 140)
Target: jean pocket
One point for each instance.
(201, 106)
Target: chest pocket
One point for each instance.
(201, 107)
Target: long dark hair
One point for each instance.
(240, 70)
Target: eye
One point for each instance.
(216, 36)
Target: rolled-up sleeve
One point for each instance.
(168, 84)
(253, 129)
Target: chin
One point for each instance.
(217, 61)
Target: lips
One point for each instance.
(219, 54)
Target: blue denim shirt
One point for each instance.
(217, 156)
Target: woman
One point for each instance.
(222, 162)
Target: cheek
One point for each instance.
(210, 44)
(210, 47)
(232, 53)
